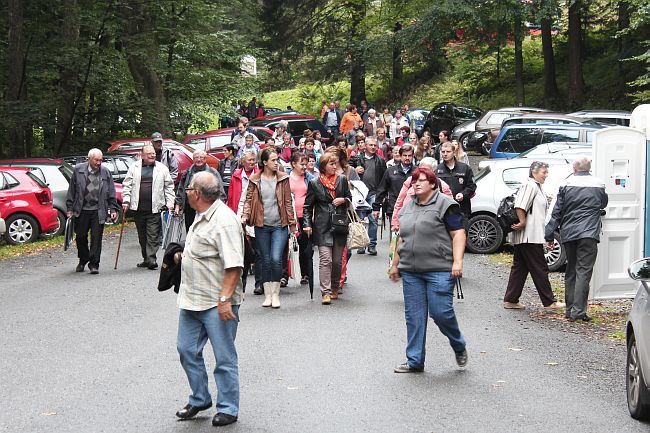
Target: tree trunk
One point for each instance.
(16, 55)
(576, 80)
(357, 55)
(141, 49)
(398, 64)
(519, 60)
(550, 84)
(68, 77)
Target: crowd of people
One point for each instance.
(241, 219)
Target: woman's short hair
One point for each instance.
(326, 158)
(429, 173)
(405, 128)
(431, 162)
(297, 157)
(283, 124)
(537, 166)
(265, 155)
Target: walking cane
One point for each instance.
(119, 243)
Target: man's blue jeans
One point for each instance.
(270, 242)
(194, 330)
(372, 222)
(429, 294)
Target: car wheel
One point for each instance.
(485, 147)
(21, 229)
(464, 140)
(638, 395)
(556, 256)
(484, 234)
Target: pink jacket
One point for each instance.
(405, 196)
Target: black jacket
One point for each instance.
(170, 271)
(390, 186)
(318, 208)
(181, 194)
(460, 179)
(372, 182)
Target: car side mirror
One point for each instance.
(640, 270)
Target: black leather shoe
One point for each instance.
(221, 419)
(143, 265)
(258, 290)
(80, 267)
(152, 266)
(94, 270)
(190, 411)
(372, 251)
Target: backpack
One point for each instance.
(506, 214)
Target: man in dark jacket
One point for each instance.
(332, 120)
(577, 213)
(371, 168)
(181, 202)
(90, 199)
(252, 108)
(165, 155)
(459, 177)
(392, 182)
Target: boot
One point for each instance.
(275, 299)
(267, 294)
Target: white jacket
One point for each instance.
(162, 188)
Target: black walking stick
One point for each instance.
(119, 243)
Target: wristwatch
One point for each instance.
(224, 299)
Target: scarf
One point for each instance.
(329, 182)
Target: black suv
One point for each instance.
(447, 115)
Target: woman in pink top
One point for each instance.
(298, 181)
(406, 193)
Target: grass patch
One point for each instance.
(502, 258)
(8, 252)
(618, 335)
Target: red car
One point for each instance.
(26, 205)
(214, 141)
(183, 153)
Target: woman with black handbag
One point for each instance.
(326, 220)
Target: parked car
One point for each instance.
(447, 115)
(117, 164)
(558, 150)
(26, 205)
(213, 142)
(516, 139)
(418, 117)
(606, 117)
(56, 174)
(499, 180)
(637, 367)
(473, 133)
(297, 125)
(545, 118)
(133, 146)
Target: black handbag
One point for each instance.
(340, 222)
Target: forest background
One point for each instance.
(77, 73)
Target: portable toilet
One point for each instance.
(620, 159)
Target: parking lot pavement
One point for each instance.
(97, 353)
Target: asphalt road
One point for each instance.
(84, 353)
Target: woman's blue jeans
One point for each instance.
(270, 242)
(429, 294)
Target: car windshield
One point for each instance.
(66, 170)
(482, 173)
(418, 114)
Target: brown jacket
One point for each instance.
(254, 206)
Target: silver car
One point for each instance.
(637, 368)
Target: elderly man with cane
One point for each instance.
(209, 298)
(90, 199)
(148, 188)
